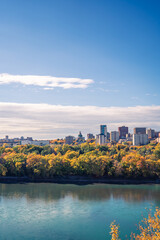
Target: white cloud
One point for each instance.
(46, 121)
(47, 82)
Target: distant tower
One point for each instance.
(114, 136)
(151, 133)
(123, 131)
(140, 130)
(103, 130)
(6, 137)
(80, 137)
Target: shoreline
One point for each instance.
(79, 180)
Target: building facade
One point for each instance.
(103, 130)
(90, 136)
(151, 133)
(123, 131)
(100, 139)
(139, 130)
(35, 142)
(140, 139)
(114, 136)
(69, 140)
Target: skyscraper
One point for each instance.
(114, 136)
(139, 130)
(123, 131)
(103, 130)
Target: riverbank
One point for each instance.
(80, 180)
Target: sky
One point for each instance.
(71, 65)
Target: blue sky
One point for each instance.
(114, 43)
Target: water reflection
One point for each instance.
(54, 192)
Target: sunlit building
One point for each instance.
(140, 139)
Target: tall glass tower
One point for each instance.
(103, 130)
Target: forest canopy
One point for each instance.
(87, 159)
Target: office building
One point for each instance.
(123, 131)
(140, 139)
(139, 130)
(151, 133)
(35, 142)
(108, 136)
(114, 136)
(69, 140)
(100, 139)
(6, 137)
(103, 130)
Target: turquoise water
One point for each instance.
(70, 212)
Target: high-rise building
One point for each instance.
(6, 137)
(151, 133)
(123, 131)
(140, 139)
(69, 140)
(108, 135)
(90, 136)
(114, 136)
(139, 130)
(100, 139)
(103, 130)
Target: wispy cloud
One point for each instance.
(47, 82)
(52, 121)
(109, 90)
(135, 98)
(150, 94)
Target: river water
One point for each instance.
(45, 211)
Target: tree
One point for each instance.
(149, 228)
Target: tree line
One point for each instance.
(87, 159)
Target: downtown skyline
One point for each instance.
(71, 65)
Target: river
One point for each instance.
(47, 211)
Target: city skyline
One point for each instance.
(122, 131)
(69, 65)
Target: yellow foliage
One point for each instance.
(149, 228)
(114, 231)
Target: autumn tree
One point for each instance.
(149, 228)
